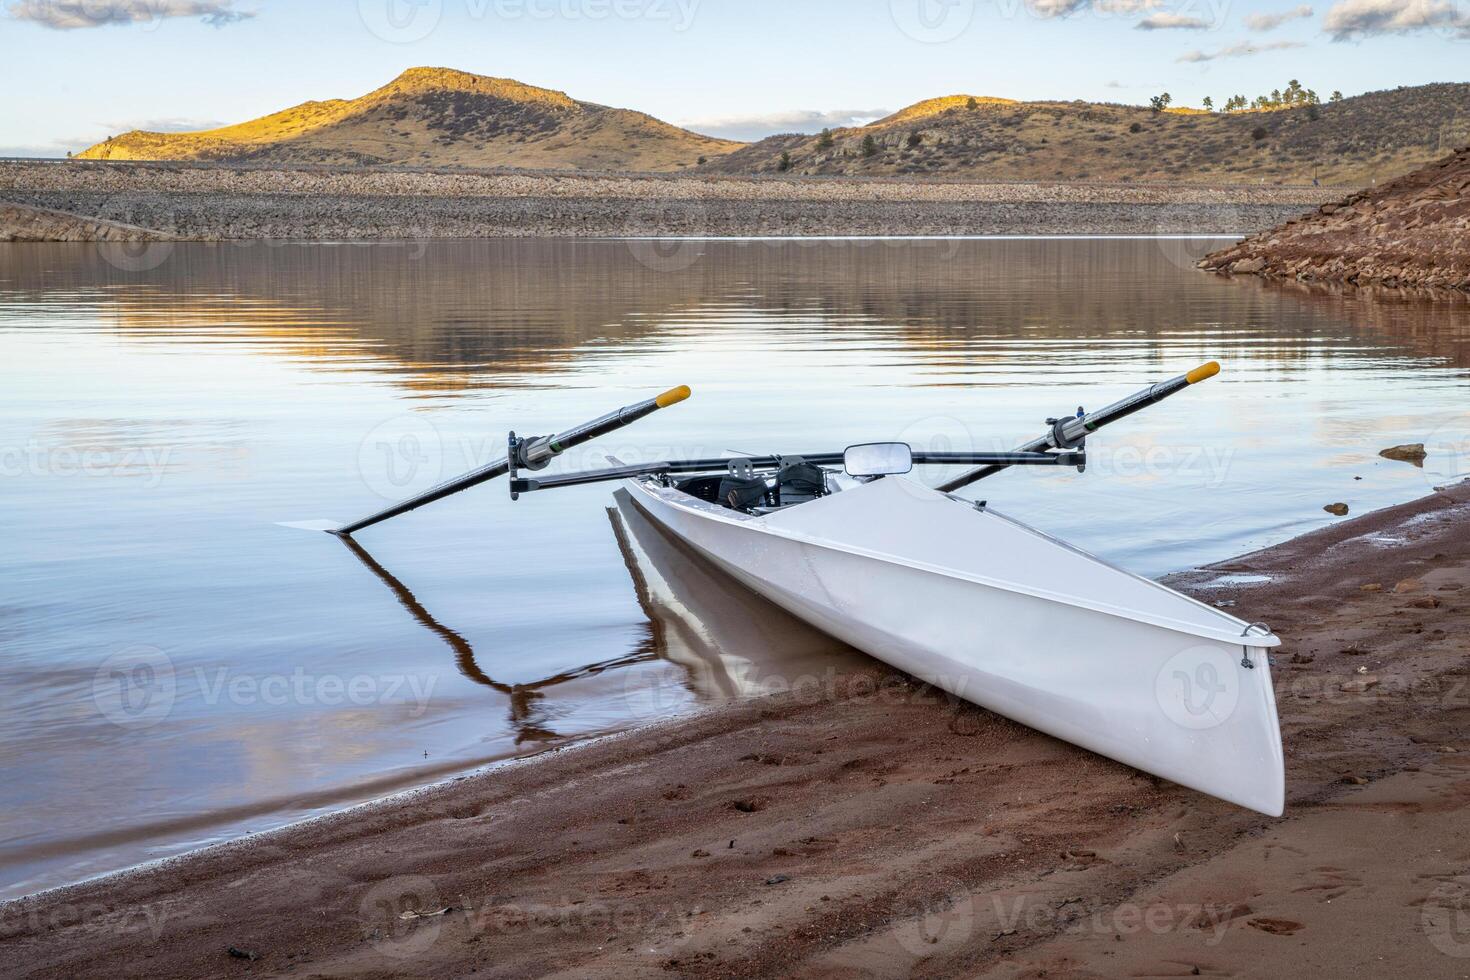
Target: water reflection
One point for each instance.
(467, 315)
(526, 719)
(725, 641)
(728, 641)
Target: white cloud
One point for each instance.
(1048, 9)
(755, 127)
(1244, 49)
(67, 15)
(27, 150)
(1350, 19)
(1174, 22)
(168, 124)
(1269, 22)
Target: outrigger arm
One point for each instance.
(1072, 433)
(1063, 445)
(530, 454)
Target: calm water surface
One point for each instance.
(179, 667)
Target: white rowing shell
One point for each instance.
(1015, 621)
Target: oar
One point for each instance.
(531, 454)
(1069, 433)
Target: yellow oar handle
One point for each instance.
(675, 395)
(1203, 373)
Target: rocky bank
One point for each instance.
(1413, 231)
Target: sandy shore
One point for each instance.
(874, 828)
(212, 203)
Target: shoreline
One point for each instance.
(1411, 232)
(829, 778)
(225, 203)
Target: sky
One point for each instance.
(74, 72)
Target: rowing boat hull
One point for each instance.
(969, 601)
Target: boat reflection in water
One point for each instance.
(527, 717)
(719, 640)
(728, 642)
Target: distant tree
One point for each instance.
(1313, 113)
(1235, 103)
(1209, 104)
(1336, 97)
(825, 141)
(785, 163)
(870, 146)
(915, 138)
(1160, 102)
(971, 103)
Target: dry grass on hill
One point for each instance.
(438, 117)
(1352, 142)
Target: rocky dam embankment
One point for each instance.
(217, 203)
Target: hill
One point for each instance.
(437, 117)
(1354, 141)
(1414, 231)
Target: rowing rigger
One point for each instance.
(1064, 444)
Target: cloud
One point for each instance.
(1269, 22)
(1048, 9)
(57, 149)
(1172, 22)
(168, 124)
(1349, 19)
(750, 128)
(67, 15)
(1244, 49)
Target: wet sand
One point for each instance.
(871, 827)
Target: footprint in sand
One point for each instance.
(1272, 846)
(1331, 882)
(1276, 927)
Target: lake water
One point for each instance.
(180, 668)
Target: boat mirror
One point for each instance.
(878, 459)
